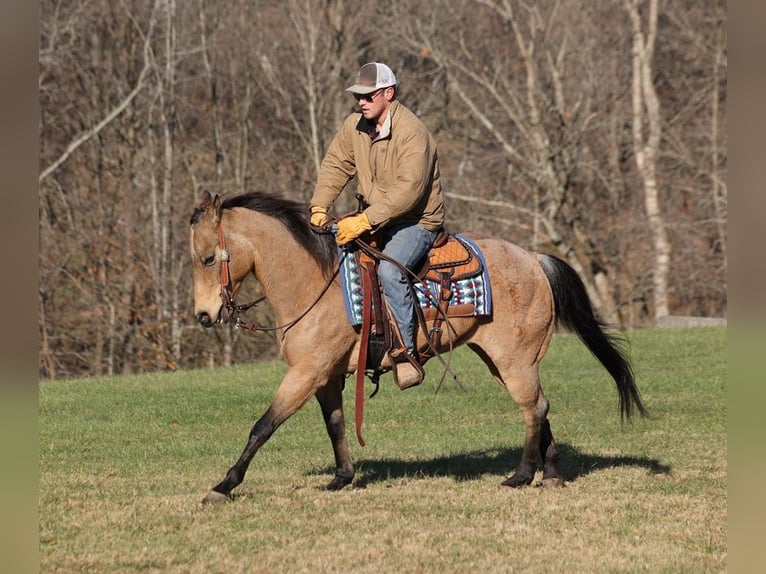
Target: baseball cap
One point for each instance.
(372, 76)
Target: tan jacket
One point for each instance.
(398, 171)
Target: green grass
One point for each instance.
(124, 463)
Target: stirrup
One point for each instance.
(410, 363)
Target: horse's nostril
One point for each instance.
(204, 319)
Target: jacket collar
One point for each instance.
(368, 127)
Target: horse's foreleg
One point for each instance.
(330, 399)
(291, 395)
(260, 433)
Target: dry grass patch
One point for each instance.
(125, 462)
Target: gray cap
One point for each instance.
(372, 77)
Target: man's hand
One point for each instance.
(319, 217)
(349, 228)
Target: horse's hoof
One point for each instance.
(516, 481)
(556, 482)
(338, 483)
(214, 497)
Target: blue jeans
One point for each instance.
(406, 244)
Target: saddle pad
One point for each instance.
(474, 291)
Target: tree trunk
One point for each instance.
(718, 186)
(646, 113)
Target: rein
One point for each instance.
(234, 310)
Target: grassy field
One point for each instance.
(124, 463)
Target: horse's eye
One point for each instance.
(208, 261)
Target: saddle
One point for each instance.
(448, 260)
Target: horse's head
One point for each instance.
(211, 270)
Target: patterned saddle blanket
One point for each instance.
(471, 295)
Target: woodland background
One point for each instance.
(594, 130)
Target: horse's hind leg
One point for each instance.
(534, 409)
(538, 441)
(550, 455)
(330, 399)
(523, 384)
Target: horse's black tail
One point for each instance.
(574, 312)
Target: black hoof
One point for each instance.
(338, 482)
(554, 482)
(517, 481)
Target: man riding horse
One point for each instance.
(395, 160)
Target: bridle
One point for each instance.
(226, 292)
(235, 310)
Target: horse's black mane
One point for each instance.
(294, 215)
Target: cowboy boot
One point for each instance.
(407, 371)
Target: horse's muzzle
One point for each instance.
(204, 319)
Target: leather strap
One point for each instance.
(379, 322)
(225, 277)
(442, 312)
(367, 266)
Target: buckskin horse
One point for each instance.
(270, 237)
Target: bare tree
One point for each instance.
(113, 113)
(518, 91)
(144, 105)
(646, 141)
(690, 73)
(83, 252)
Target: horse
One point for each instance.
(269, 237)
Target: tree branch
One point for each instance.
(116, 111)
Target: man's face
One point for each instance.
(373, 104)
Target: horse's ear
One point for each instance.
(205, 200)
(209, 205)
(217, 208)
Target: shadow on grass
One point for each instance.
(499, 462)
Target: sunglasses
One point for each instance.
(367, 97)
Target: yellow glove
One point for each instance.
(349, 228)
(319, 217)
